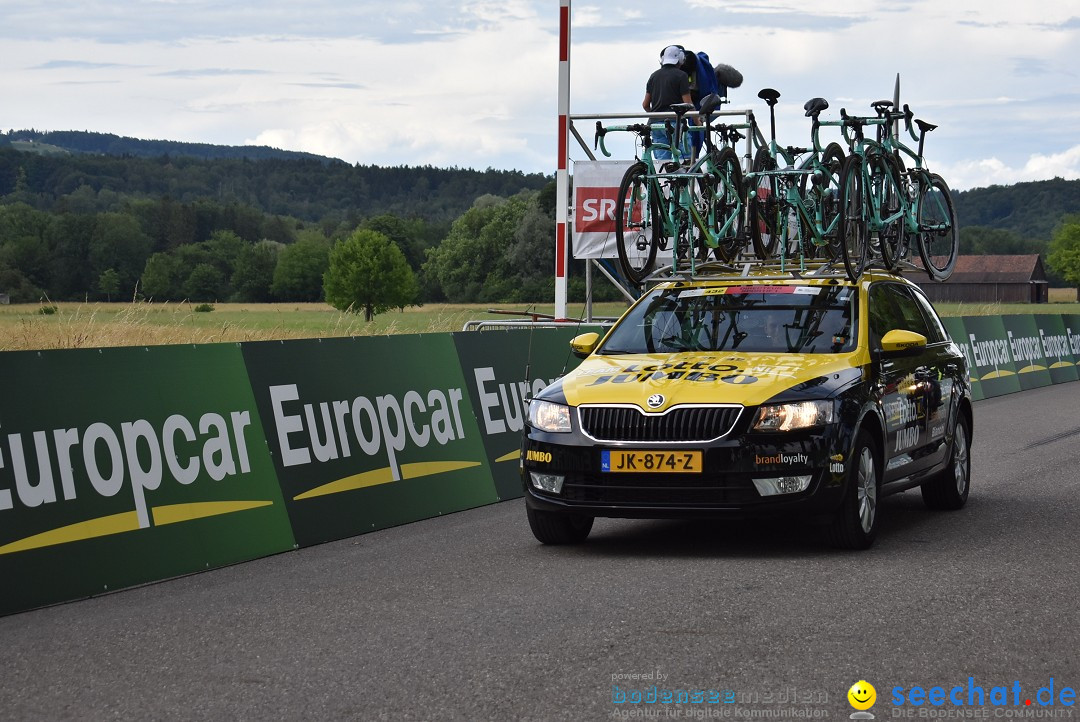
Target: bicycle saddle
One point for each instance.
(769, 95)
(682, 108)
(710, 102)
(814, 106)
(881, 106)
(924, 126)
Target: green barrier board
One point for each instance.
(1060, 357)
(502, 370)
(1026, 350)
(368, 432)
(992, 362)
(1072, 334)
(124, 466)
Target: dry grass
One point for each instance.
(1063, 295)
(96, 325)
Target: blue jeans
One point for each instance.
(660, 135)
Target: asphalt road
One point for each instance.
(467, 617)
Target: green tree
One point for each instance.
(254, 271)
(109, 283)
(470, 265)
(412, 235)
(1064, 249)
(298, 275)
(369, 271)
(206, 283)
(119, 244)
(162, 277)
(979, 241)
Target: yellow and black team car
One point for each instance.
(754, 396)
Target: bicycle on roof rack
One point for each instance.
(792, 192)
(694, 208)
(886, 208)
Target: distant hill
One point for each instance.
(310, 186)
(107, 169)
(1032, 210)
(76, 141)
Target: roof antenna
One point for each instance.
(896, 106)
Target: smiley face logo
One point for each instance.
(862, 695)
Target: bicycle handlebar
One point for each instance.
(641, 129)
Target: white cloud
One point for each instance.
(992, 171)
(474, 83)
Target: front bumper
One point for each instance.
(724, 488)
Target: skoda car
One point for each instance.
(750, 397)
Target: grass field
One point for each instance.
(93, 325)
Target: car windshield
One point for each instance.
(760, 318)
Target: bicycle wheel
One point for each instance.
(852, 226)
(825, 191)
(939, 236)
(885, 206)
(765, 213)
(637, 224)
(833, 159)
(722, 206)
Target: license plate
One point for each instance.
(651, 462)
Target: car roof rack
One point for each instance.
(754, 269)
(758, 270)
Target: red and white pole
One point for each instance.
(562, 174)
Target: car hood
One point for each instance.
(684, 378)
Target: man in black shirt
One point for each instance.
(666, 86)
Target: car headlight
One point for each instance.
(550, 417)
(788, 417)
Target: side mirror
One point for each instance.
(902, 343)
(585, 344)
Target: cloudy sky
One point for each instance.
(474, 83)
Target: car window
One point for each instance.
(937, 329)
(753, 318)
(892, 307)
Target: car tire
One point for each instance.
(553, 527)
(856, 522)
(949, 489)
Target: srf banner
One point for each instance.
(596, 188)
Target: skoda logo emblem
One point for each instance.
(655, 401)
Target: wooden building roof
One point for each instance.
(998, 269)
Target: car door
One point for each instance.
(909, 387)
(946, 360)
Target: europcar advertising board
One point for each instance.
(1057, 348)
(368, 432)
(502, 370)
(1072, 334)
(123, 466)
(991, 359)
(1026, 348)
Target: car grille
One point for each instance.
(628, 423)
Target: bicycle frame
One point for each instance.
(675, 188)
